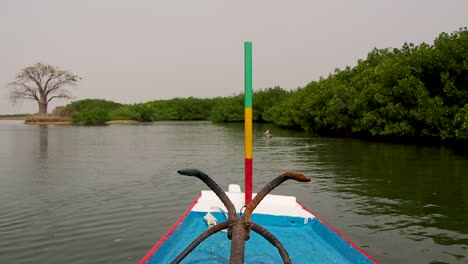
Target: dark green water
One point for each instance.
(72, 194)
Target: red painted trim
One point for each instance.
(169, 232)
(248, 180)
(340, 234)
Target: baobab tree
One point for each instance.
(42, 83)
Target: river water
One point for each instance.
(76, 194)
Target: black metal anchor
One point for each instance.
(239, 226)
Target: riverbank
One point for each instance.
(122, 122)
(28, 120)
(68, 122)
(12, 117)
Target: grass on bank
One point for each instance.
(13, 117)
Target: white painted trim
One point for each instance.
(280, 205)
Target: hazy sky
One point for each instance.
(137, 51)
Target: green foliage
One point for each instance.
(231, 109)
(264, 100)
(461, 123)
(89, 104)
(125, 112)
(173, 109)
(415, 91)
(228, 109)
(94, 116)
(181, 109)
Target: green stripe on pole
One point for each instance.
(248, 74)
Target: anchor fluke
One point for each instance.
(295, 176)
(213, 186)
(189, 172)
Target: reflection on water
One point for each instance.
(417, 195)
(106, 194)
(43, 140)
(43, 143)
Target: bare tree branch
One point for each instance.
(42, 83)
(32, 76)
(50, 78)
(63, 95)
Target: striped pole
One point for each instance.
(248, 120)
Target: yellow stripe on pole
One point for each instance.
(248, 132)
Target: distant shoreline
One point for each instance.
(62, 122)
(12, 117)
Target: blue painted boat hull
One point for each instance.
(306, 237)
(311, 242)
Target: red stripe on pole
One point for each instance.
(248, 181)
